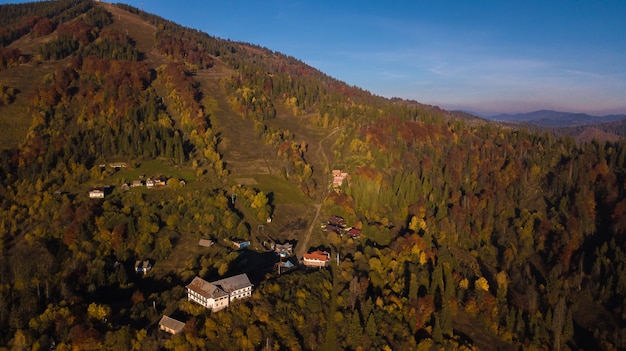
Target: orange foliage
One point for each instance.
(423, 308)
(117, 236)
(71, 234)
(407, 242)
(341, 200)
(368, 173)
(120, 91)
(619, 217)
(137, 297)
(85, 339)
(9, 57)
(78, 30)
(44, 26)
(188, 50)
(565, 257)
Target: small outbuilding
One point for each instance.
(171, 325)
(240, 244)
(143, 266)
(283, 250)
(354, 233)
(205, 242)
(96, 193)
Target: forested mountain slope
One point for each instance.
(473, 236)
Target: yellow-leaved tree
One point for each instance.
(98, 312)
(482, 284)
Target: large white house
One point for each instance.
(316, 259)
(220, 293)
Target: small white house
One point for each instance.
(96, 193)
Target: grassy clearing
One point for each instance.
(187, 247)
(142, 32)
(14, 123)
(281, 191)
(149, 169)
(16, 118)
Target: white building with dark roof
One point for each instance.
(219, 294)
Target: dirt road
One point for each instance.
(303, 243)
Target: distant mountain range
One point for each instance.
(550, 118)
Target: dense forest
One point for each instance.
(475, 236)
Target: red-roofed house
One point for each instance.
(316, 259)
(354, 233)
(338, 177)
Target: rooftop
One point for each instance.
(205, 288)
(317, 255)
(172, 324)
(234, 283)
(220, 287)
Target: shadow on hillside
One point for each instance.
(255, 264)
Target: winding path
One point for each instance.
(303, 244)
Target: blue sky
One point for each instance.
(484, 56)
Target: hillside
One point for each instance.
(127, 138)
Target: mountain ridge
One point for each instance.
(552, 118)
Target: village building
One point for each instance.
(286, 266)
(283, 250)
(338, 178)
(205, 242)
(240, 244)
(333, 228)
(171, 325)
(316, 259)
(337, 221)
(160, 181)
(143, 266)
(118, 165)
(354, 233)
(154, 182)
(219, 294)
(96, 193)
